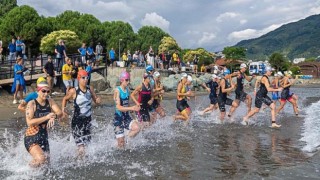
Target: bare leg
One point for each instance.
(120, 141)
(294, 105)
(249, 102)
(273, 116)
(81, 151)
(134, 130)
(282, 103)
(234, 106)
(39, 158)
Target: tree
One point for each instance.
(6, 6)
(204, 56)
(21, 21)
(234, 53)
(168, 44)
(116, 30)
(279, 62)
(49, 42)
(150, 36)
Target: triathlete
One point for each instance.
(212, 87)
(157, 94)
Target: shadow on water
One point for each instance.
(204, 149)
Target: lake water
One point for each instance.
(205, 149)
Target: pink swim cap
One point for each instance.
(124, 75)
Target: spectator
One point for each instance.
(23, 46)
(142, 62)
(99, 51)
(89, 70)
(135, 58)
(49, 71)
(125, 59)
(83, 52)
(112, 57)
(174, 61)
(202, 69)
(129, 56)
(91, 55)
(150, 58)
(195, 64)
(60, 51)
(75, 70)
(12, 50)
(168, 60)
(159, 62)
(19, 47)
(66, 75)
(18, 81)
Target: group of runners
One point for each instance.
(42, 111)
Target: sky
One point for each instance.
(211, 24)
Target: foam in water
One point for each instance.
(311, 128)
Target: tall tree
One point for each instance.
(167, 43)
(6, 6)
(150, 36)
(234, 53)
(279, 62)
(21, 21)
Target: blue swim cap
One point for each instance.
(149, 68)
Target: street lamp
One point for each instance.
(119, 48)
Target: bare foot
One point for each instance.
(245, 121)
(275, 125)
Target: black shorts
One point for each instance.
(120, 123)
(155, 104)
(262, 99)
(41, 139)
(182, 105)
(213, 100)
(81, 129)
(223, 102)
(241, 95)
(144, 114)
(285, 95)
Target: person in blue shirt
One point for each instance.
(19, 84)
(89, 70)
(12, 50)
(112, 56)
(83, 52)
(19, 45)
(91, 54)
(31, 96)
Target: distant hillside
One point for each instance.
(298, 39)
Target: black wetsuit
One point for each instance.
(285, 94)
(262, 95)
(223, 100)
(213, 91)
(144, 97)
(38, 135)
(240, 94)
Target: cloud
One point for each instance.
(226, 15)
(251, 33)
(243, 21)
(153, 19)
(206, 39)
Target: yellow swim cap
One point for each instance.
(41, 79)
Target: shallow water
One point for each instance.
(205, 149)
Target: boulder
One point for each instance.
(135, 82)
(98, 82)
(112, 81)
(170, 83)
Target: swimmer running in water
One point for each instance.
(262, 97)
(212, 87)
(40, 115)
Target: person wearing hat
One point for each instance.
(122, 119)
(157, 94)
(262, 97)
(276, 84)
(240, 94)
(81, 120)
(145, 100)
(182, 104)
(31, 96)
(212, 87)
(226, 86)
(40, 115)
(286, 95)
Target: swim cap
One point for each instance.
(146, 75)
(124, 75)
(243, 65)
(214, 76)
(184, 75)
(42, 85)
(40, 79)
(156, 74)
(268, 68)
(149, 68)
(279, 74)
(82, 73)
(189, 78)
